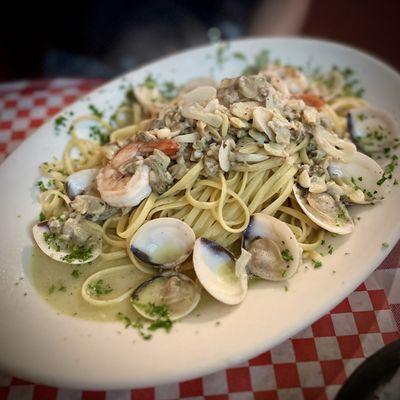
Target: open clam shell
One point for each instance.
(361, 172)
(372, 129)
(175, 291)
(324, 210)
(275, 252)
(78, 182)
(217, 271)
(163, 242)
(41, 231)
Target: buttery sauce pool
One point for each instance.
(61, 287)
(60, 284)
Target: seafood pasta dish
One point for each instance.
(200, 190)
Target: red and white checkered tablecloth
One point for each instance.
(312, 365)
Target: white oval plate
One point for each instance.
(42, 346)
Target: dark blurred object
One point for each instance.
(377, 378)
(371, 25)
(104, 38)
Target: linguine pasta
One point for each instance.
(213, 156)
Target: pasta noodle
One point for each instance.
(226, 158)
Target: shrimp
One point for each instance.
(120, 190)
(311, 100)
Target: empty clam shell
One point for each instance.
(78, 182)
(360, 172)
(372, 129)
(163, 242)
(216, 269)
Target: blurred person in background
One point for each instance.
(105, 38)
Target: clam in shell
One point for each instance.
(275, 252)
(176, 293)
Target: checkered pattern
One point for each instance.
(312, 365)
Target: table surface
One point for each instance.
(312, 365)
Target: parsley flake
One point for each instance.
(76, 273)
(317, 264)
(286, 255)
(95, 111)
(99, 288)
(77, 252)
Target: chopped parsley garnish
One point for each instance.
(60, 288)
(95, 111)
(130, 95)
(160, 324)
(342, 214)
(385, 245)
(41, 186)
(99, 288)
(239, 56)
(317, 264)
(126, 320)
(97, 133)
(138, 325)
(388, 171)
(221, 53)
(286, 255)
(59, 122)
(150, 82)
(160, 313)
(261, 60)
(80, 253)
(52, 240)
(42, 217)
(76, 273)
(351, 87)
(169, 90)
(330, 249)
(381, 181)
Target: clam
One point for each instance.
(219, 273)
(175, 291)
(275, 252)
(55, 247)
(324, 210)
(197, 82)
(78, 182)
(163, 242)
(223, 154)
(200, 94)
(363, 175)
(333, 145)
(372, 129)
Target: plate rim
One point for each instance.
(255, 350)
